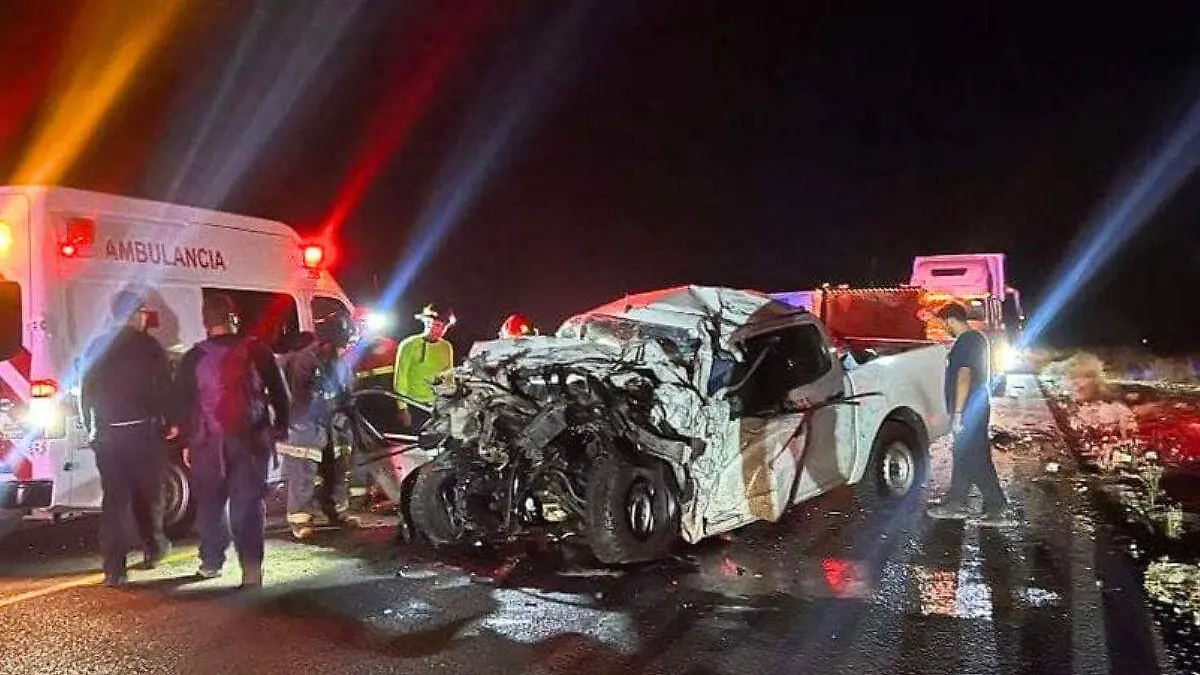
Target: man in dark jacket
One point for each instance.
(968, 375)
(319, 438)
(123, 402)
(234, 404)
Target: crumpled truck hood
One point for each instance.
(680, 405)
(536, 352)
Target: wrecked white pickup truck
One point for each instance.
(675, 414)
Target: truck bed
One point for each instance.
(883, 346)
(912, 374)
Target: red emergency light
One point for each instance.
(314, 256)
(81, 233)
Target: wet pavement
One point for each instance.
(835, 587)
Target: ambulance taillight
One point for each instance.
(46, 412)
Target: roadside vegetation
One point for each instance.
(1134, 420)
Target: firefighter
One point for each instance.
(423, 358)
(123, 402)
(228, 386)
(319, 438)
(516, 326)
(375, 368)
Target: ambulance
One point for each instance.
(64, 253)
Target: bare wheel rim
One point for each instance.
(898, 471)
(177, 494)
(639, 508)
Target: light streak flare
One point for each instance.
(1120, 218)
(110, 41)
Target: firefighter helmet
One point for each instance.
(428, 313)
(334, 329)
(515, 326)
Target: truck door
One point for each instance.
(786, 438)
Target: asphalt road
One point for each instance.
(833, 588)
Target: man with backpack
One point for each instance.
(319, 438)
(233, 405)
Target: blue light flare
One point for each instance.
(490, 133)
(222, 130)
(1120, 218)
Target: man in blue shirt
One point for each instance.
(968, 375)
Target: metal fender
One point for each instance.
(904, 415)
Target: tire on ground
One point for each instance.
(616, 483)
(428, 507)
(179, 500)
(895, 444)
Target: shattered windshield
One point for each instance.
(621, 331)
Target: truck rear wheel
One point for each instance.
(431, 506)
(179, 502)
(633, 511)
(898, 467)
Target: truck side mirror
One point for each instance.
(848, 362)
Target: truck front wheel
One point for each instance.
(431, 506)
(633, 510)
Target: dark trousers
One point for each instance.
(132, 464)
(973, 465)
(300, 476)
(230, 478)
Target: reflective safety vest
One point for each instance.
(418, 363)
(311, 454)
(308, 440)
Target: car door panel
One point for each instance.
(788, 448)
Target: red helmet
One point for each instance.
(515, 326)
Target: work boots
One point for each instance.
(152, 557)
(252, 576)
(342, 517)
(301, 524)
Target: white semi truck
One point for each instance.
(977, 281)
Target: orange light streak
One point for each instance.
(110, 41)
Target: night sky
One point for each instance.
(575, 151)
